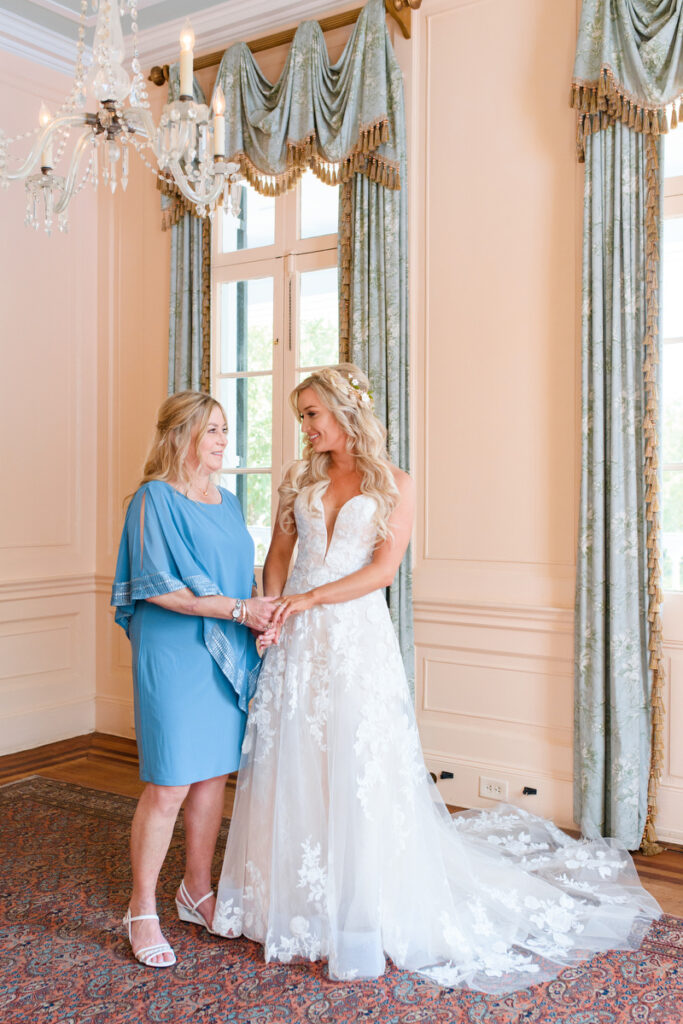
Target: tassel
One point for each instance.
(674, 119)
(602, 102)
(639, 119)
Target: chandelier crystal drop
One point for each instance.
(188, 144)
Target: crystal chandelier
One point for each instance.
(188, 144)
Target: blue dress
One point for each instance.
(193, 676)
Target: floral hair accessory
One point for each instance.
(365, 396)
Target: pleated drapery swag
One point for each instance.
(626, 89)
(345, 122)
(189, 322)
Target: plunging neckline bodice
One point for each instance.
(329, 534)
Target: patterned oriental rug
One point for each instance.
(64, 958)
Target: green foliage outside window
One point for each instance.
(319, 344)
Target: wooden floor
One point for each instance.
(662, 875)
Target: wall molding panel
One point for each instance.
(670, 797)
(494, 693)
(47, 679)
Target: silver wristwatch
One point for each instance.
(237, 610)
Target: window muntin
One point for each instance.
(255, 226)
(318, 207)
(275, 317)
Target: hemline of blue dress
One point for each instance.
(193, 676)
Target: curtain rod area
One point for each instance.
(399, 10)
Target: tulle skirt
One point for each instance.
(340, 846)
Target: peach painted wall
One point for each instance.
(48, 339)
(497, 231)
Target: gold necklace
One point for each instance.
(198, 488)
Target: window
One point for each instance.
(672, 365)
(275, 318)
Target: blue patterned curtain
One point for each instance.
(189, 319)
(346, 123)
(626, 74)
(373, 260)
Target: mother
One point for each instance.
(182, 593)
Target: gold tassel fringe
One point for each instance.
(362, 159)
(649, 845)
(602, 103)
(345, 272)
(205, 376)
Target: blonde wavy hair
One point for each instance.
(345, 391)
(182, 421)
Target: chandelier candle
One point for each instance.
(186, 61)
(44, 118)
(218, 124)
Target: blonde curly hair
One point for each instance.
(345, 391)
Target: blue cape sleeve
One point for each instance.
(156, 557)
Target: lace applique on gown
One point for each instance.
(340, 846)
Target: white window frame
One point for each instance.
(285, 260)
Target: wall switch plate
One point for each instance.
(493, 789)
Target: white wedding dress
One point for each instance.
(340, 846)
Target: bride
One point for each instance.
(340, 846)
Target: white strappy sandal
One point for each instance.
(187, 910)
(147, 953)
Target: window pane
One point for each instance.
(318, 318)
(255, 225)
(673, 154)
(672, 273)
(248, 404)
(253, 493)
(672, 532)
(319, 206)
(246, 325)
(672, 402)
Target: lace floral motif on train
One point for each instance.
(228, 917)
(233, 915)
(301, 942)
(385, 727)
(312, 876)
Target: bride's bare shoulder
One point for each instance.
(403, 481)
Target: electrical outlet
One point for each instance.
(493, 789)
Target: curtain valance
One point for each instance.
(338, 119)
(629, 65)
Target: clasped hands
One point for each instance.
(281, 609)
